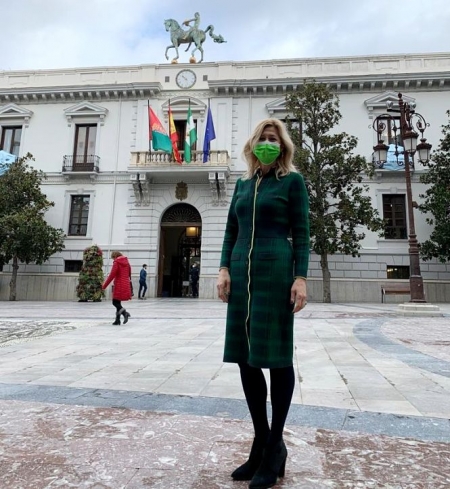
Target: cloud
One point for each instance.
(46, 34)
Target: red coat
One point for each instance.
(120, 273)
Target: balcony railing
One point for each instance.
(146, 159)
(81, 163)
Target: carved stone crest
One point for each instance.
(181, 191)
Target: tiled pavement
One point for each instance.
(151, 405)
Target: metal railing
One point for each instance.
(82, 163)
(161, 158)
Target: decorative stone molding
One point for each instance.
(218, 186)
(74, 93)
(180, 105)
(141, 188)
(339, 83)
(379, 101)
(86, 110)
(277, 108)
(14, 113)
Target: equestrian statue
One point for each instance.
(193, 35)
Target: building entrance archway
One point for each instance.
(179, 249)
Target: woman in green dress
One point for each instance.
(262, 277)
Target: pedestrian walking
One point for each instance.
(142, 282)
(121, 274)
(194, 276)
(262, 277)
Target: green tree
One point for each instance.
(25, 236)
(91, 276)
(437, 201)
(339, 204)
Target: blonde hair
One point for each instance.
(115, 254)
(284, 164)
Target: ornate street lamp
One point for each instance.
(409, 137)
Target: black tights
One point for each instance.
(117, 304)
(282, 381)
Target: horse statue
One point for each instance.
(193, 35)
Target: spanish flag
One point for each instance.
(174, 138)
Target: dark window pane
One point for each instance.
(79, 213)
(73, 266)
(397, 272)
(394, 214)
(84, 146)
(11, 139)
(180, 126)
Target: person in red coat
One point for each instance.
(121, 274)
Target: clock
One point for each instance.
(186, 79)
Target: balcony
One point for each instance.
(78, 165)
(160, 167)
(395, 160)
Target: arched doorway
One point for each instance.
(179, 248)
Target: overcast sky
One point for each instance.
(40, 34)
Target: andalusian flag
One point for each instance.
(157, 133)
(191, 136)
(174, 138)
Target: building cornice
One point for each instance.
(345, 83)
(419, 72)
(77, 93)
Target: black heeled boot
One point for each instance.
(246, 471)
(272, 466)
(125, 315)
(117, 321)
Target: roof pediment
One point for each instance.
(277, 106)
(86, 110)
(180, 105)
(380, 101)
(13, 111)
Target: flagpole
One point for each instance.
(149, 132)
(189, 127)
(206, 156)
(170, 134)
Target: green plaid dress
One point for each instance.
(263, 264)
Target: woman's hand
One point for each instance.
(223, 284)
(298, 294)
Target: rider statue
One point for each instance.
(194, 35)
(196, 25)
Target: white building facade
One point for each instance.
(88, 130)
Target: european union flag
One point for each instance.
(210, 134)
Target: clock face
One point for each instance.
(186, 79)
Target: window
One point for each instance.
(84, 148)
(397, 272)
(11, 139)
(394, 213)
(180, 126)
(72, 266)
(297, 125)
(79, 213)
(392, 132)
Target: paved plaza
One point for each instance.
(149, 404)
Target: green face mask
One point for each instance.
(267, 153)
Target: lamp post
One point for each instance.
(409, 137)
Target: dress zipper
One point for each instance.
(250, 260)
